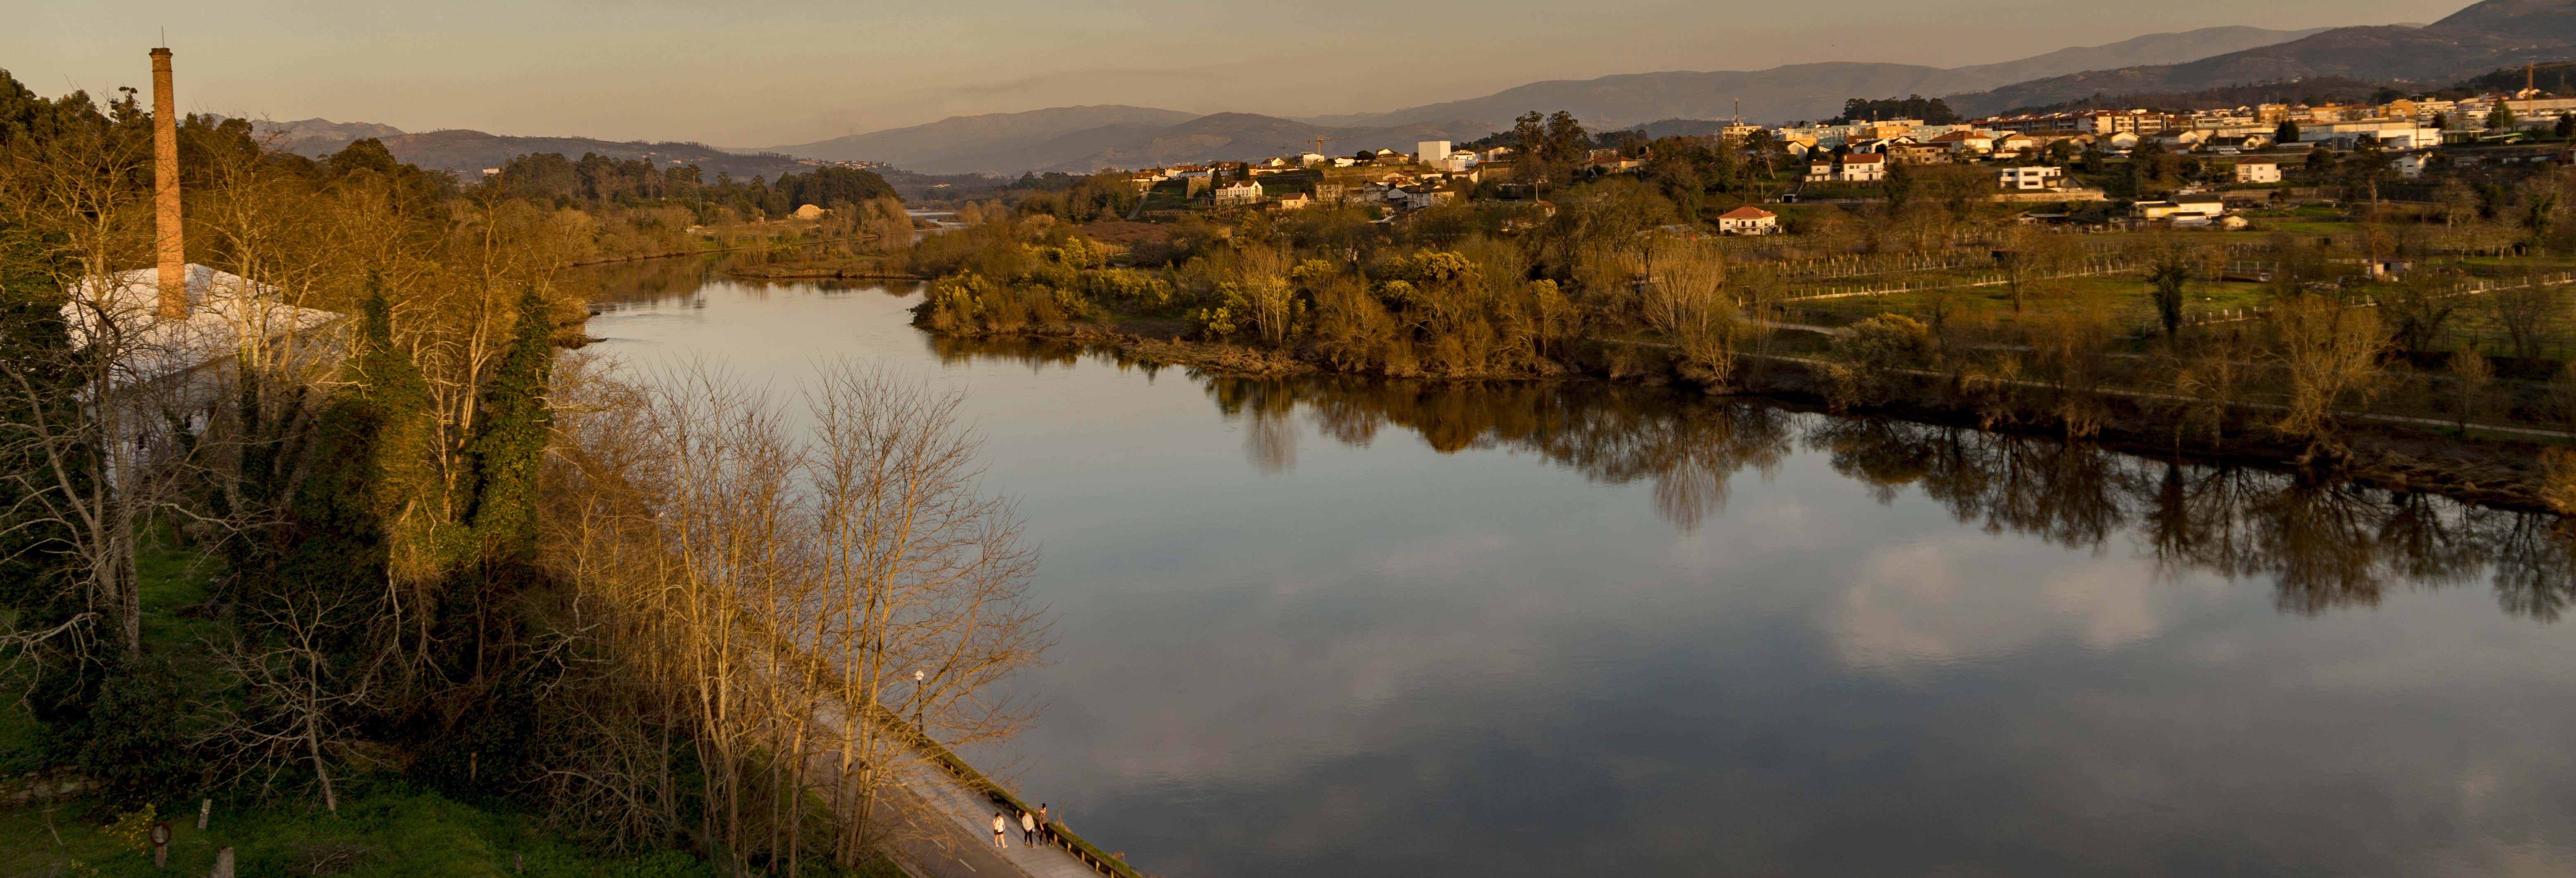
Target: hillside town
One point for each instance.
(2233, 159)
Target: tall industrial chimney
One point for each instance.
(165, 175)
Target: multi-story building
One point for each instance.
(2087, 122)
(2257, 172)
(2030, 177)
(1239, 193)
(1862, 167)
(1965, 142)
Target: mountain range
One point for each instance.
(2477, 39)
(1076, 139)
(467, 152)
(2482, 37)
(1809, 91)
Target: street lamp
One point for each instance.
(916, 703)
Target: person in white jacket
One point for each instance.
(999, 826)
(1028, 829)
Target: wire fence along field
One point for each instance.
(2093, 266)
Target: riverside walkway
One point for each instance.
(964, 836)
(944, 810)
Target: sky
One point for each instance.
(772, 72)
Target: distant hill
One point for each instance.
(1803, 91)
(317, 137)
(951, 145)
(1233, 136)
(468, 152)
(2482, 37)
(2312, 90)
(1217, 137)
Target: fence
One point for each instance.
(2093, 266)
(2472, 287)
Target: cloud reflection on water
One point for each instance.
(1533, 630)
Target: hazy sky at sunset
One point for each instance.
(763, 72)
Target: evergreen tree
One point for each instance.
(35, 347)
(511, 443)
(406, 491)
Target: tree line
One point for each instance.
(418, 546)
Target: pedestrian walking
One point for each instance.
(1028, 829)
(998, 825)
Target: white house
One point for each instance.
(2030, 177)
(2411, 165)
(1748, 220)
(1431, 152)
(1310, 159)
(1240, 192)
(1862, 167)
(2258, 172)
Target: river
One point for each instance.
(1364, 628)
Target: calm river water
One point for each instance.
(1355, 628)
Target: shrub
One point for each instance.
(2558, 480)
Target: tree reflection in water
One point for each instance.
(2325, 545)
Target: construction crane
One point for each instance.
(2529, 81)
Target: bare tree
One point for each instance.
(299, 694)
(813, 613)
(2331, 352)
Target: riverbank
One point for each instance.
(2398, 454)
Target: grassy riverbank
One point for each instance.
(2485, 466)
(2449, 373)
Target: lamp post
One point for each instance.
(917, 704)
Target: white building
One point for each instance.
(2411, 165)
(1748, 220)
(2029, 178)
(1242, 192)
(2190, 208)
(1862, 167)
(1431, 151)
(2258, 172)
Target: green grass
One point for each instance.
(384, 833)
(2313, 227)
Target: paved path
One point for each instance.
(951, 824)
(972, 816)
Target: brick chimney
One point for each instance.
(165, 176)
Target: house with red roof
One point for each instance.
(1748, 220)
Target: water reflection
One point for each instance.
(2325, 545)
(1579, 629)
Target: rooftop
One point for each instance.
(222, 308)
